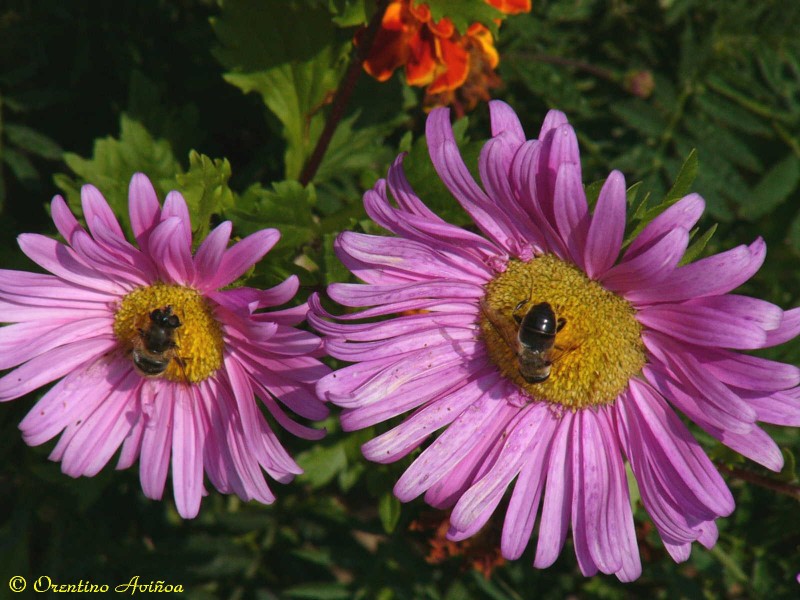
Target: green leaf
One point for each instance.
(113, 163)
(464, 13)
(32, 141)
(680, 188)
(321, 464)
(773, 189)
(20, 166)
(205, 188)
(289, 54)
(349, 13)
(287, 206)
(389, 511)
(683, 182)
(794, 233)
(696, 249)
(318, 591)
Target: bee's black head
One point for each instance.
(163, 317)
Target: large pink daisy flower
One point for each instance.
(152, 355)
(479, 318)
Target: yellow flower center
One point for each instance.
(597, 347)
(189, 350)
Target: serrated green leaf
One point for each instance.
(774, 188)
(294, 68)
(389, 511)
(113, 163)
(334, 270)
(205, 188)
(463, 13)
(287, 206)
(696, 249)
(33, 141)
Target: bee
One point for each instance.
(155, 346)
(533, 340)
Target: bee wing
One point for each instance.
(559, 352)
(500, 324)
(182, 366)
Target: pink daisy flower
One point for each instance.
(548, 356)
(152, 356)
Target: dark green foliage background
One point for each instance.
(225, 102)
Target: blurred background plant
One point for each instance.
(228, 101)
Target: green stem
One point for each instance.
(343, 94)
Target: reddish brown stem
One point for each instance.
(343, 93)
(788, 489)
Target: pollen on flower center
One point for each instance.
(198, 340)
(596, 351)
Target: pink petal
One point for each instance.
(97, 212)
(157, 439)
(187, 454)
(209, 254)
(604, 240)
(52, 365)
(243, 255)
(718, 274)
(170, 251)
(145, 213)
(558, 493)
(175, 206)
(683, 214)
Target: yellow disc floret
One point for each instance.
(597, 349)
(198, 344)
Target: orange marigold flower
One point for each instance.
(457, 69)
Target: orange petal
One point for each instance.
(484, 40)
(444, 28)
(456, 60)
(390, 47)
(511, 7)
(420, 11)
(422, 61)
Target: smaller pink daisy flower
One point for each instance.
(543, 356)
(152, 355)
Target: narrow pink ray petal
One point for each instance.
(556, 508)
(209, 254)
(175, 206)
(145, 213)
(157, 440)
(187, 452)
(170, 253)
(684, 214)
(52, 365)
(524, 504)
(718, 274)
(243, 255)
(402, 439)
(468, 430)
(98, 213)
(607, 228)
